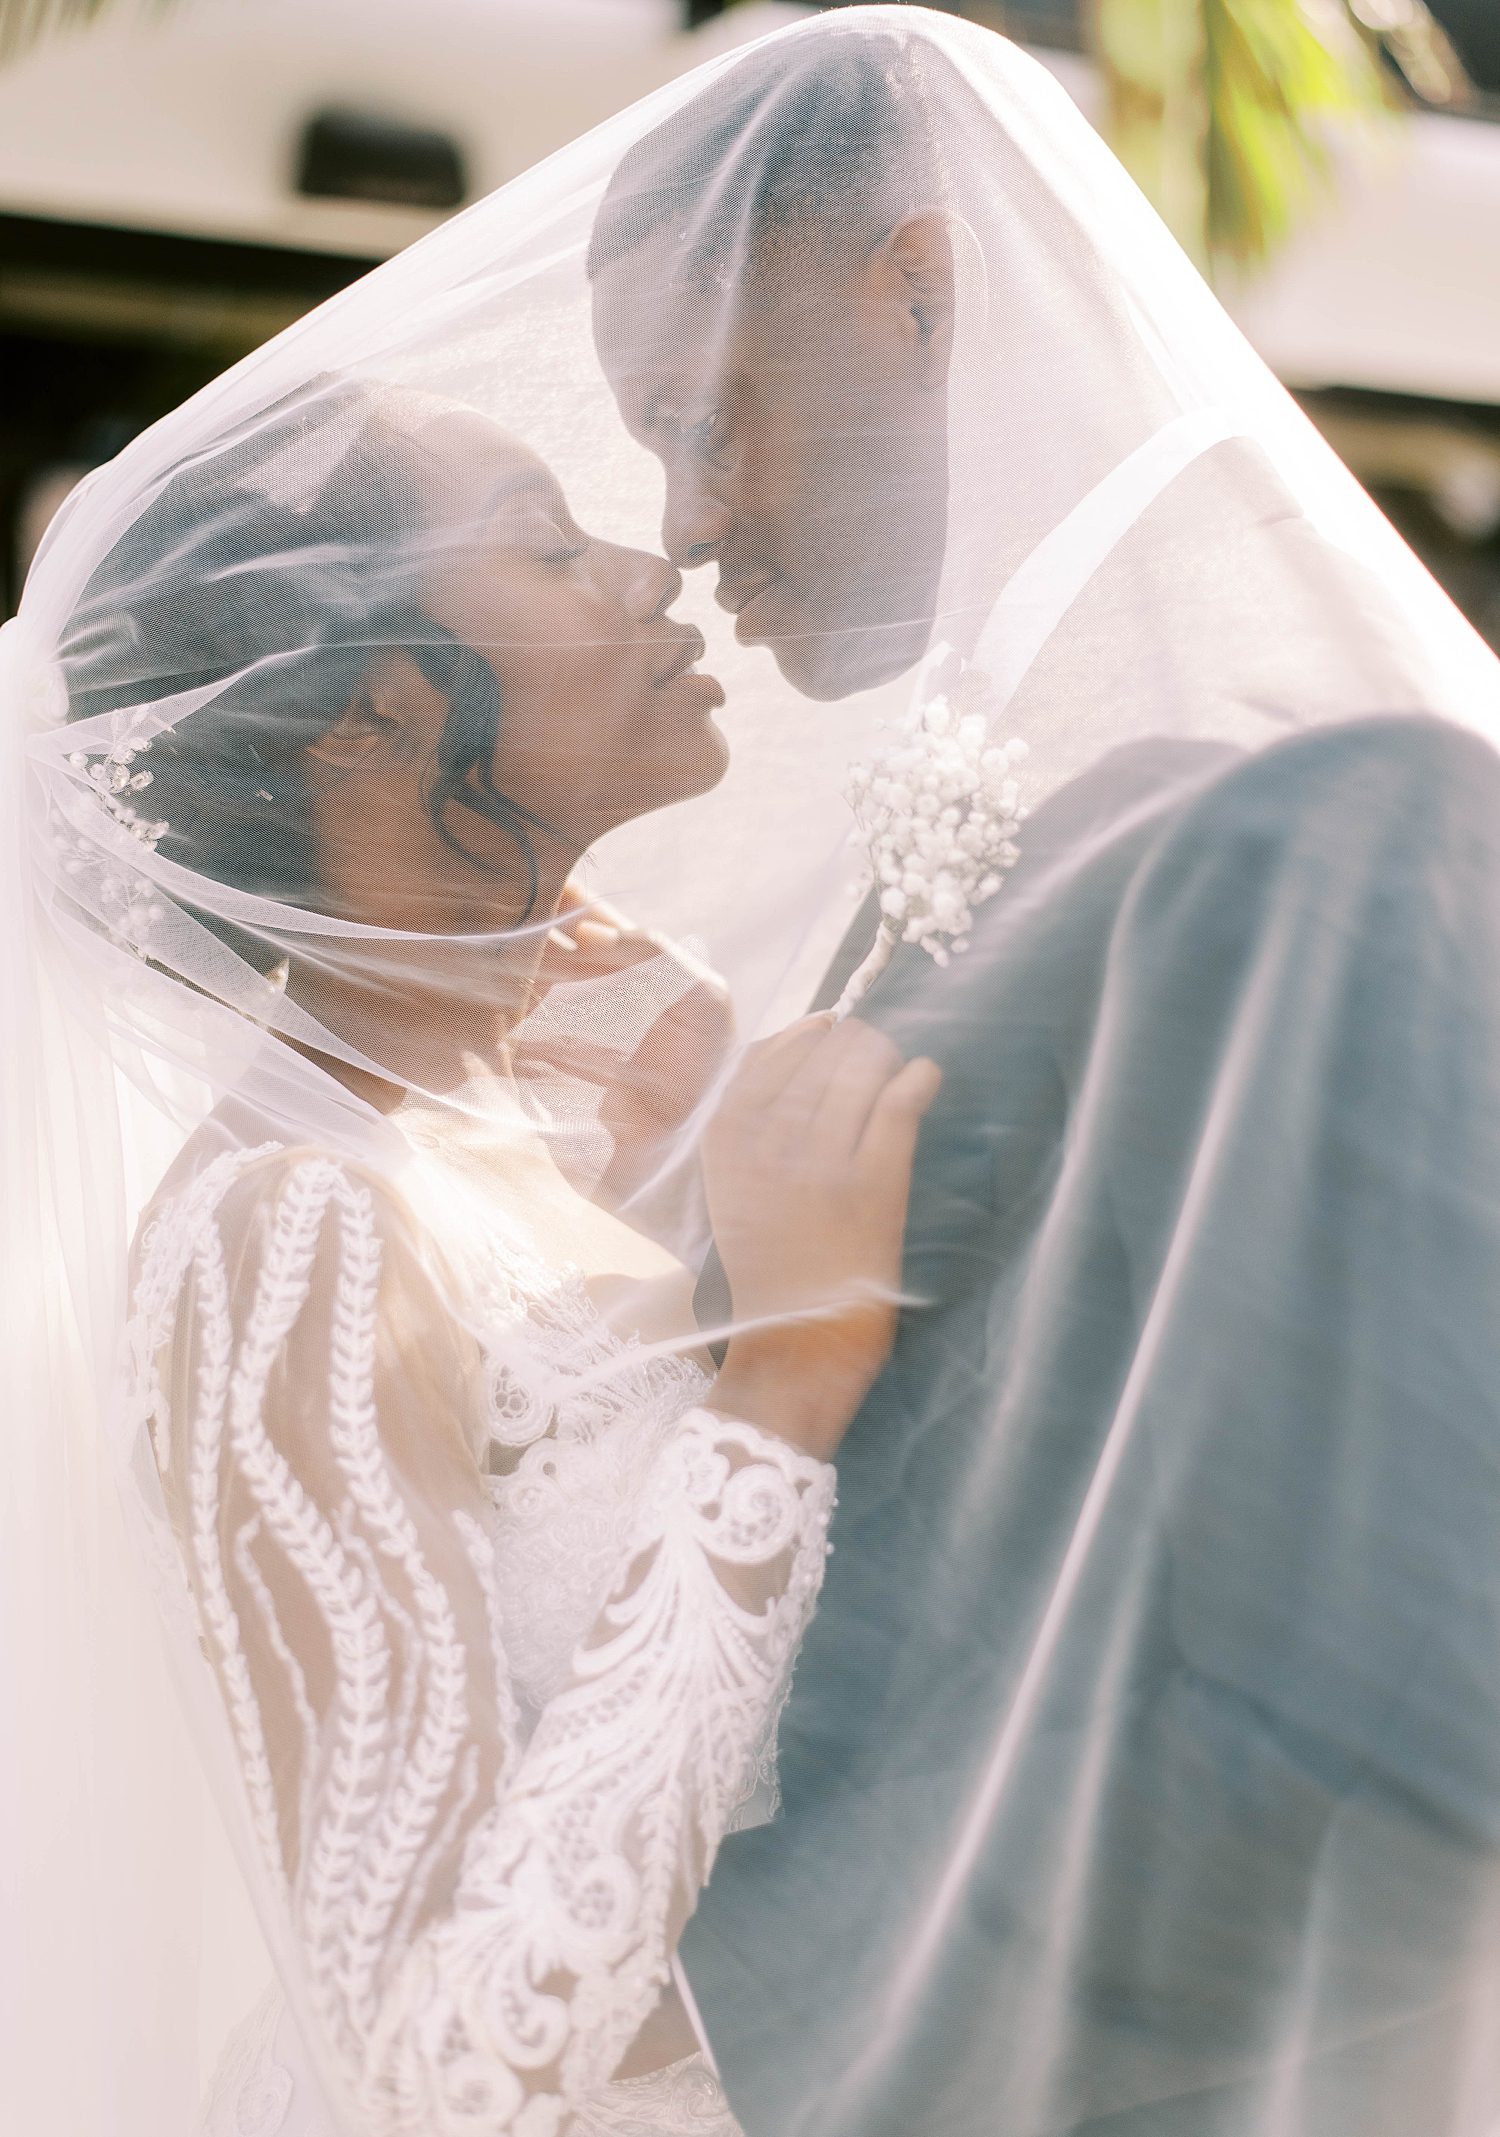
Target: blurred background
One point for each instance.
(181, 178)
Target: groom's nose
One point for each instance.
(694, 523)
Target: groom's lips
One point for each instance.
(740, 597)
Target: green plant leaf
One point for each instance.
(1225, 110)
(24, 23)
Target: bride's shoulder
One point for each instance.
(295, 1272)
(257, 1203)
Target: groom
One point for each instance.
(1142, 1769)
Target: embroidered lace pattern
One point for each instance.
(685, 2100)
(252, 2089)
(491, 1727)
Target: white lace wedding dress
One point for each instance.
(501, 1619)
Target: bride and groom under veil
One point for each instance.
(805, 1369)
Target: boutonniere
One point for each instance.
(938, 812)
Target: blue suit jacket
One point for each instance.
(1214, 1179)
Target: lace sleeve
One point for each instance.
(482, 1923)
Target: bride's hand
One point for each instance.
(807, 1165)
(647, 1094)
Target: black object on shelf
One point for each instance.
(1474, 26)
(357, 155)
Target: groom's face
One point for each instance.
(799, 415)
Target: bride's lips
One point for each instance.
(682, 671)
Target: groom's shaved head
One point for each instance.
(773, 303)
(832, 131)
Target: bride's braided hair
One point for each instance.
(294, 597)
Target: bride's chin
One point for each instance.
(694, 767)
(701, 772)
(698, 769)
(716, 755)
(697, 756)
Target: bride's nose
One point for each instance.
(651, 584)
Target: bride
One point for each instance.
(500, 1581)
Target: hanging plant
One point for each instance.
(24, 23)
(1225, 111)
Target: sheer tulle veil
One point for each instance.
(1138, 540)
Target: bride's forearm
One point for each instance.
(802, 1381)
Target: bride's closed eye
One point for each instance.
(542, 531)
(556, 545)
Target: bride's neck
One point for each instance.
(433, 1015)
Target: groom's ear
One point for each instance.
(915, 264)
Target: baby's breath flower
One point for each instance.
(939, 812)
